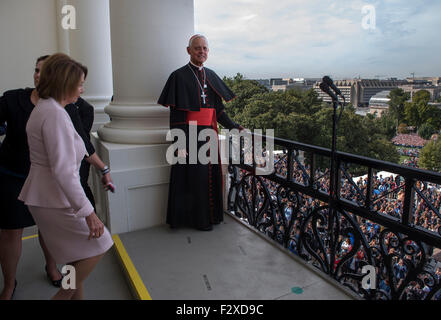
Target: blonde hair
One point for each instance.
(60, 77)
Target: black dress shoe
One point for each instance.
(55, 283)
(207, 228)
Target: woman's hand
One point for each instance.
(106, 179)
(95, 225)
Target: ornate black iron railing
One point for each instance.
(391, 223)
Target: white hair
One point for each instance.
(196, 36)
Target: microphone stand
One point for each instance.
(333, 185)
(334, 169)
(333, 175)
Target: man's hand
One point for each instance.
(95, 225)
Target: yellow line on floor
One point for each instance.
(135, 279)
(30, 237)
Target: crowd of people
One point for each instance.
(412, 162)
(409, 140)
(409, 152)
(412, 156)
(387, 199)
(411, 145)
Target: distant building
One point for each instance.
(362, 111)
(366, 89)
(283, 84)
(435, 104)
(347, 88)
(279, 87)
(311, 81)
(279, 81)
(298, 83)
(264, 82)
(379, 103)
(434, 90)
(434, 81)
(358, 92)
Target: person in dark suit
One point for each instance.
(15, 109)
(2, 131)
(82, 115)
(82, 110)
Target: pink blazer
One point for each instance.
(56, 151)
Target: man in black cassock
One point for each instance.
(195, 93)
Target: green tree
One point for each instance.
(402, 128)
(426, 131)
(421, 96)
(301, 116)
(285, 112)
(244, 90)
(355, 134)
(396, 104)
(434, 118)
(419, 112)
(430, 156)
(412, 115)
(386, 124)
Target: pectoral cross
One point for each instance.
(203, 96)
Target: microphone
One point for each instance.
(331, 84)
(325, 89)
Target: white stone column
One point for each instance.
(89, 44)
(62, 34)
(149, 40)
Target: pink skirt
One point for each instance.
(66, 235)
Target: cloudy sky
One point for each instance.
(311, 38)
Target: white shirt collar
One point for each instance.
(200, 68)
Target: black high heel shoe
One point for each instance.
(15, 287)
(13, 292)
(55, 283)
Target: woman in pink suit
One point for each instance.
(53, 193)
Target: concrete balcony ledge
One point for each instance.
(232, 262)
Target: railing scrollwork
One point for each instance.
(292, 206)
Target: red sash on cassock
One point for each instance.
(206, 117)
